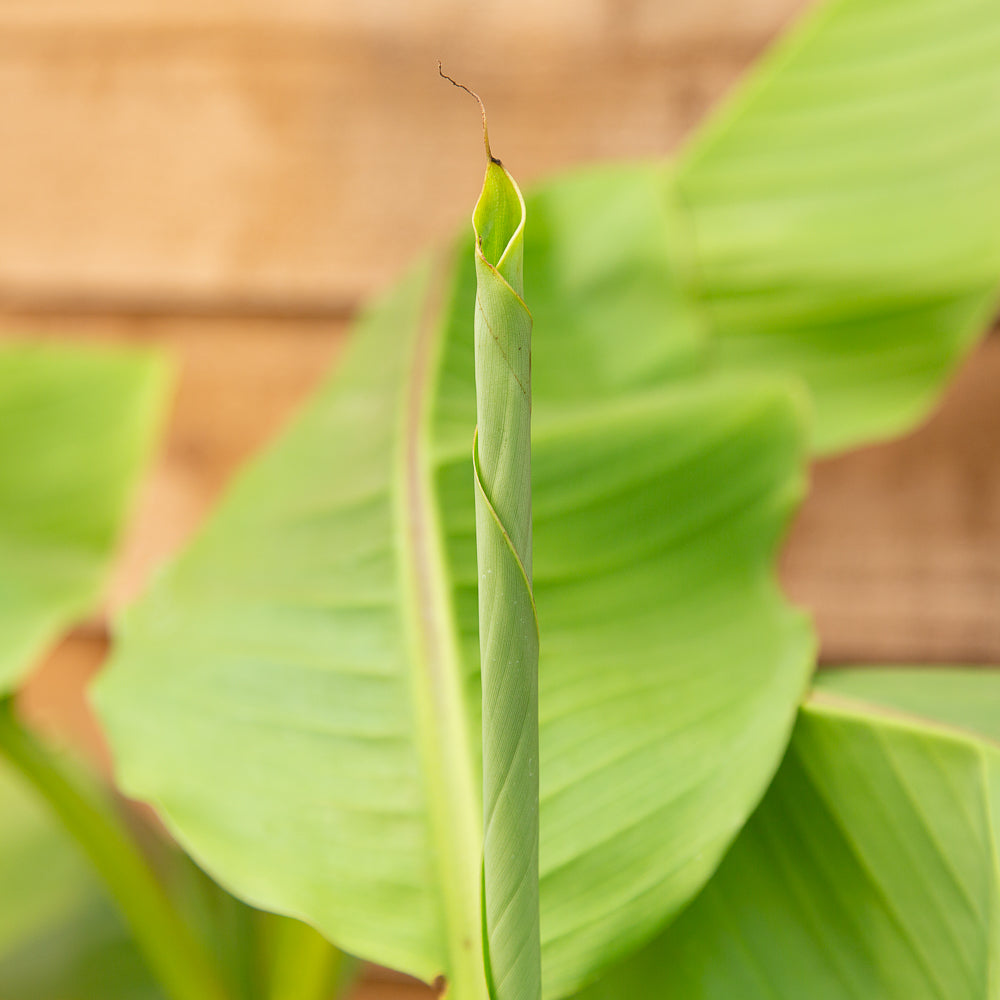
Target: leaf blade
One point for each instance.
(76, 428)
(845, 208)
(870, 869)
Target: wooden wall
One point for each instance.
(229, 178)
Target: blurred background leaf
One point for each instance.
(41, 874)
(77, 427)
(59, 937)
(62, 937)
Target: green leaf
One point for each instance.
(966, 698)
(302, 965)
(76, 428)
(870, 868)
(607, 286)
(836, 221)
(299, 694)
(845, 208)
(313, 658)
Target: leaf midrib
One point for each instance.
(443, 741)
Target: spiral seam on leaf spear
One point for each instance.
(508, 624)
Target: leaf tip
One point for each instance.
(482, 107)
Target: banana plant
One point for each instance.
(310, 696)
(301, 695)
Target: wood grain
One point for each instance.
(296, 155)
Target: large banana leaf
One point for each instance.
(299, 693)
(869, 870)
(845, 208)
(838, 221)
(76, 428)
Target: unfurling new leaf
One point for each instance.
(508, 626)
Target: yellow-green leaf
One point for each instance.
(76, 429)
(870, 868)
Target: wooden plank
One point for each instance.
(378, 989)
(303, 152)
(589, 19)
(897, 548)
(54, 699)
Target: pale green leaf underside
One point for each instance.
(870, 869)
(270, 694)
(76, 428)
(845, 208)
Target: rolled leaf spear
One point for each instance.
(508, 625)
